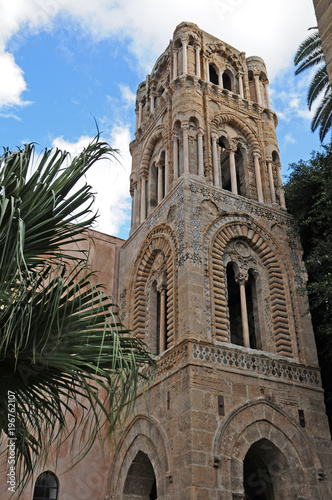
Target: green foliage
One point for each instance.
(309, 198)
(309, 54)
(63, 351)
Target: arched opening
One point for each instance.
(240, 172)
(213, 76)
(265, 472)
(252, 308)
(234, 307)
(252, 90)
(224, 165)
(226, 81)
(193, 146)
(152, 191)
(46, 487)
(141, 481)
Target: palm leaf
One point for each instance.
(318, 83)
(63, 351)
(309, 53)
(323, 115)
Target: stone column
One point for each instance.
(258, 92)
(175, 158)
(136, 124)
(232, 167)
(135, 211)
(241, 85)
(184, 57)
(152, 103)
(198, 61)
(271, 182)
(200, 153)
(143, 196)
(175, 64)
(185, 149)
(280, 186)
(162, 329)
(207, 70)
(258, 178)
(140, 113)
(220, 82)
(244, 314)
(267, 95)
(159, 182)
(215, 163)
(166, 171)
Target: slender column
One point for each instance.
(136, 125)
(175, 158)
(200, 154)
(198, 61)
(244, 314)
(258, 178)
(232, 168)
(166, 171)
(152, 103)
(175, 65)
(143, 197)
(220, 82)
(207, 69)
(258, 92)
(185, 150)
(160, 182)
(241, 85)
(215, 163)
(271, 182)
(184, 57)
(135, 211)
(267, 95)
(281, 189)
(162, 330)
(140, 109)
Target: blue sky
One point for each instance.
(65, 62)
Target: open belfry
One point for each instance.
(212, 279)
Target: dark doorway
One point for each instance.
(258, 481)
(141, 481)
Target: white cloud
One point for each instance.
(272, 30)
(289, 139)
(127, 95)
(108, 178)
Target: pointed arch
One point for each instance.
(160, 241)
(258, 420)
(150, 144)
(271, 263)
(143, 435)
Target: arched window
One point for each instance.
(46, 487)
(141, 481)
(158, 318)
(213, 76)
(226, 80)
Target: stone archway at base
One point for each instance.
(258, 439)
(143, 450)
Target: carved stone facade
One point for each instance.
(211, 278)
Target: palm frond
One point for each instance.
(318, 83)
(64, 353)
(309, 52)
(323, 115)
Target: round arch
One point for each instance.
(144, 435)
(291, 450)
(240, 125)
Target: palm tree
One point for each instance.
(310, 53)
(63, 350)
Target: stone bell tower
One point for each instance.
(211, 279)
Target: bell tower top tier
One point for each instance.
(204, 111)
